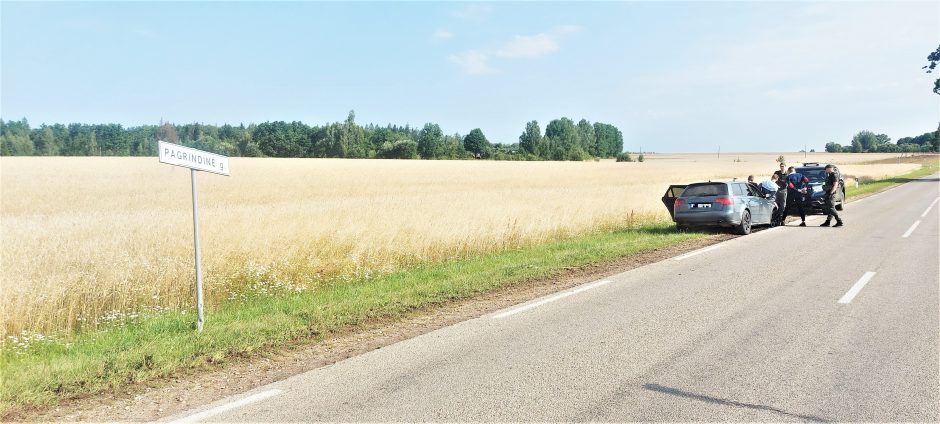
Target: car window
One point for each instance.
(753, 191)
(739, 190)
(707, 189)
(814, 175)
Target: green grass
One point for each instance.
(166, 344)
(886, 183)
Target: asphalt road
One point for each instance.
(762, 328)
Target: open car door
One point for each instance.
(669, 199)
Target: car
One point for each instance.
(733, 204)
(815, 199)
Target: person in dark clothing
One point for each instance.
(796, 189)
(781, 197)
(829, 188)
(781, 175)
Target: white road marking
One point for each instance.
(698, 252)
(550, 299)
(229, 406)
(857, 287)
(929, 207)
(910, 230)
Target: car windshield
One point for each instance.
(702, 190)
(814, 175)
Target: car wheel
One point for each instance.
(745, 227)
(840, 206)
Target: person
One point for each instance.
(796, 189)
(750, 179)
(829, 188)
(781, 196)
(769, 186)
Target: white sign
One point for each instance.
(174, 154)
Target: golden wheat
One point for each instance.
(85, 239)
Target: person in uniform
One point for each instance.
(829, 188)
(781, 197)
(796, 189)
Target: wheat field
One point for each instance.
(88, 240)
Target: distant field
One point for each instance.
(94, 240)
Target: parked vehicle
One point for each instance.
(815, 197)
(733, 204)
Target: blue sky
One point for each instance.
(673, 76)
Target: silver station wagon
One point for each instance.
(733, 204)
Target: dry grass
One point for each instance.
(86, 240)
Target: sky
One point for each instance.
(672, 76)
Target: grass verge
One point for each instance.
(886, 183)
(164, 345)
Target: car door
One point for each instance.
(741, 192)
(669, 198)
(761, 208)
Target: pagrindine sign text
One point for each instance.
(174, 154)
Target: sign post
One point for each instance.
(195, 160)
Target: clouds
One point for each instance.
(472, 62)
(477, 61)
(442, 34)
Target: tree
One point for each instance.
(167, 133)
(833, 147)
(864, 141)
(476, 143)
(608, 138)
(431, 142)
(402, 149)
(564, 134)
(587, 137)
(932, 60)
(531, 139)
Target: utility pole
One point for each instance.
(719, 152)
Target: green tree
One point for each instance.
(864, 141)
(401, 149)
(431, 142)
(588, 140)
(564, 135)
(932, 60)
(531, 139)
(476, 143)
(833, 147)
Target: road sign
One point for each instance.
(195, 160)
(174, 154)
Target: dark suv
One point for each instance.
(815, 197)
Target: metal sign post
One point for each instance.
(195, 160)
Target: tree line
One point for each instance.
(869, 142)
(563, 139)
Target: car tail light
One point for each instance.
(679, 202)
(724, 201)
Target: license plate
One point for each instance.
(701, 205)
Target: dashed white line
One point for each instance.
(698, 252)
(929, 207)
(229, 406)
(550, 299)
(911, 230)
(857, 287)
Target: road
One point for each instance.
(788, 324)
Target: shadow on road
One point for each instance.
(676, 392)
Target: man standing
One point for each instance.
(829, 188)
(781, 197)
(796, 187)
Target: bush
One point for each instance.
(640, 158)
(624, 157)
(403, 149)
